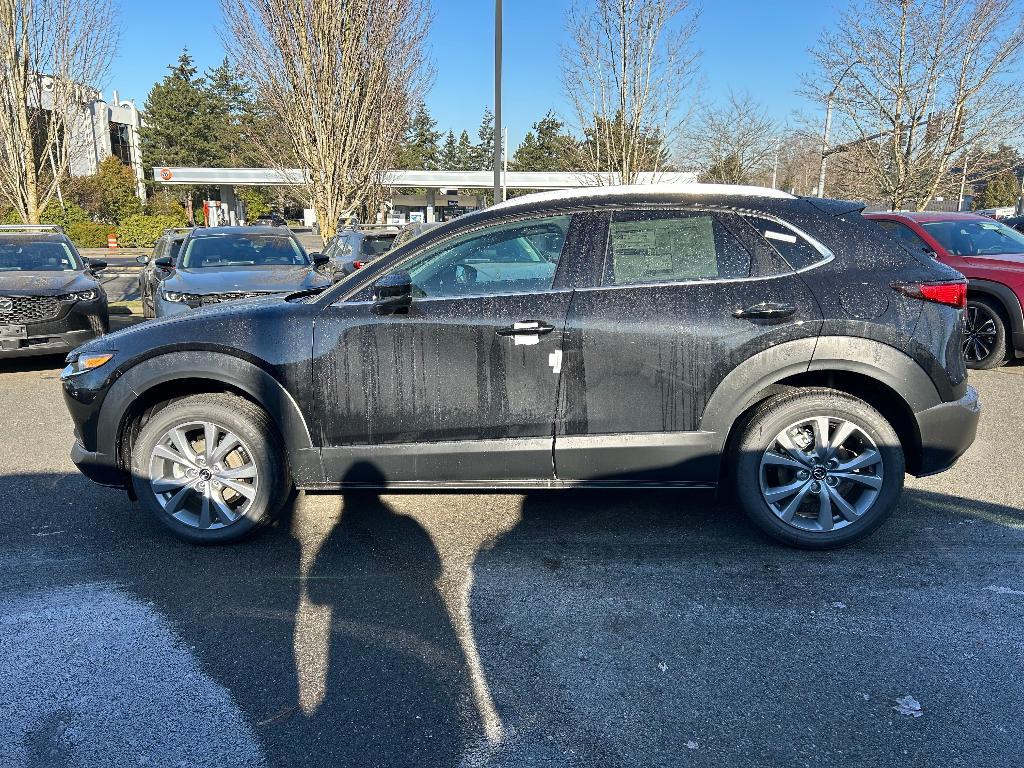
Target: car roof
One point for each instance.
(45, 237)
(258, 230)
(923, 217)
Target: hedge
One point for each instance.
(143, 231)
(90, 234)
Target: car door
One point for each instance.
(686, 295)
(463, 386)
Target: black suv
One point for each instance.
(50, 297)
(158, 266)
(634, 337)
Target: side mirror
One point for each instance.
(320, 260)
(164, 262)
(97, 265)
(392, 294)
(142, 259)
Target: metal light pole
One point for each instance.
(499, 195)
(824, 143)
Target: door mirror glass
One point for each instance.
(392, 293)
(320, 259)
(97, 265)
(142, 259)
(165, 262)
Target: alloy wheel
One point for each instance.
(980, 333)
(203, 475)
(821, 474)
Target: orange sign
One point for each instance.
(165, 174)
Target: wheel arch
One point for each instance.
(885, 378)
(171, 376)
(1004, 295)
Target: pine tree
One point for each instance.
(448, 158)
(465, 154)
(231, 113)
(419, 149)
(481, 156)
(545, 148)
(1001, 190)
(179, 128)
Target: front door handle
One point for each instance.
(526, 328)
(766, 309)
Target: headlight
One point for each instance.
(80, 296)
(181, 298)
(86, 362)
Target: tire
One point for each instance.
(768, 479)
(195, 495)
(985, 344)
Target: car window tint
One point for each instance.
(21, 256)
(232, 250)
(375, 246)
(655, 248)
(975, 237)
(797, 251)
(908, 237)
(519, 257)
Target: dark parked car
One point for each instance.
(158, 266)
(50, 297)
(991, 256)
(353, 249)
(220, 264)
(270, 220)
(630, 337)
(412, 230)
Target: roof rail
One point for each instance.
(32, 228)
(178, 230)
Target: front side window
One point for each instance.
(655, 247)
(519, 257)
(52, 256)
(236, 250)
(973, 237)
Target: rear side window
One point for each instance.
(665, 247)
(798, 252)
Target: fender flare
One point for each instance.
(1005, 296)
(215, 367)
(867, 357)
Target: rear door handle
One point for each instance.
(526, 328)
(766, 309)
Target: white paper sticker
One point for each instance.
(779, 236)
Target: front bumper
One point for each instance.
(46, 344)
(76, 324)
(947, 431)
(98, 467)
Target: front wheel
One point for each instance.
(818, 468)
(210, 468)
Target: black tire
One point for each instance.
(984, 329)
(261, 446)
(775, 416)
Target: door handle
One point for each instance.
(766, 309)
(526, 328)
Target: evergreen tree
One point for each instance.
(465, 154)
(231, 114)
(419, 149)
(545, 148)
(481, 156)
(1000, 191)
(448, 158)
(181, 121)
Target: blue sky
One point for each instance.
(758, 46)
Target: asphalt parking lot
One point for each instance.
(557, 629)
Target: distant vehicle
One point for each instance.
(158, 266)
(270, 220)
(1016, 222)
(997, 213)
(990, 255)
(218, 264)
(51, 299)
(413, 230)
(352, 249)
(656, 336)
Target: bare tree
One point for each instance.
(53, 54)
(338, 77)
(628, 72)
(915, 83)
(734, 143)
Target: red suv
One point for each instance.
(991, 256)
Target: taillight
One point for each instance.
(951, 294)
(359, 264)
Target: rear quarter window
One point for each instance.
(793, 247)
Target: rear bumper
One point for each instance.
(947, 431)
(98, 467)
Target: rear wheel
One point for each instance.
(818, 468)
(210, 468)
(984, 335)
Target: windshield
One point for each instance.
(243, 250)
(48, 256)
(972, 237)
